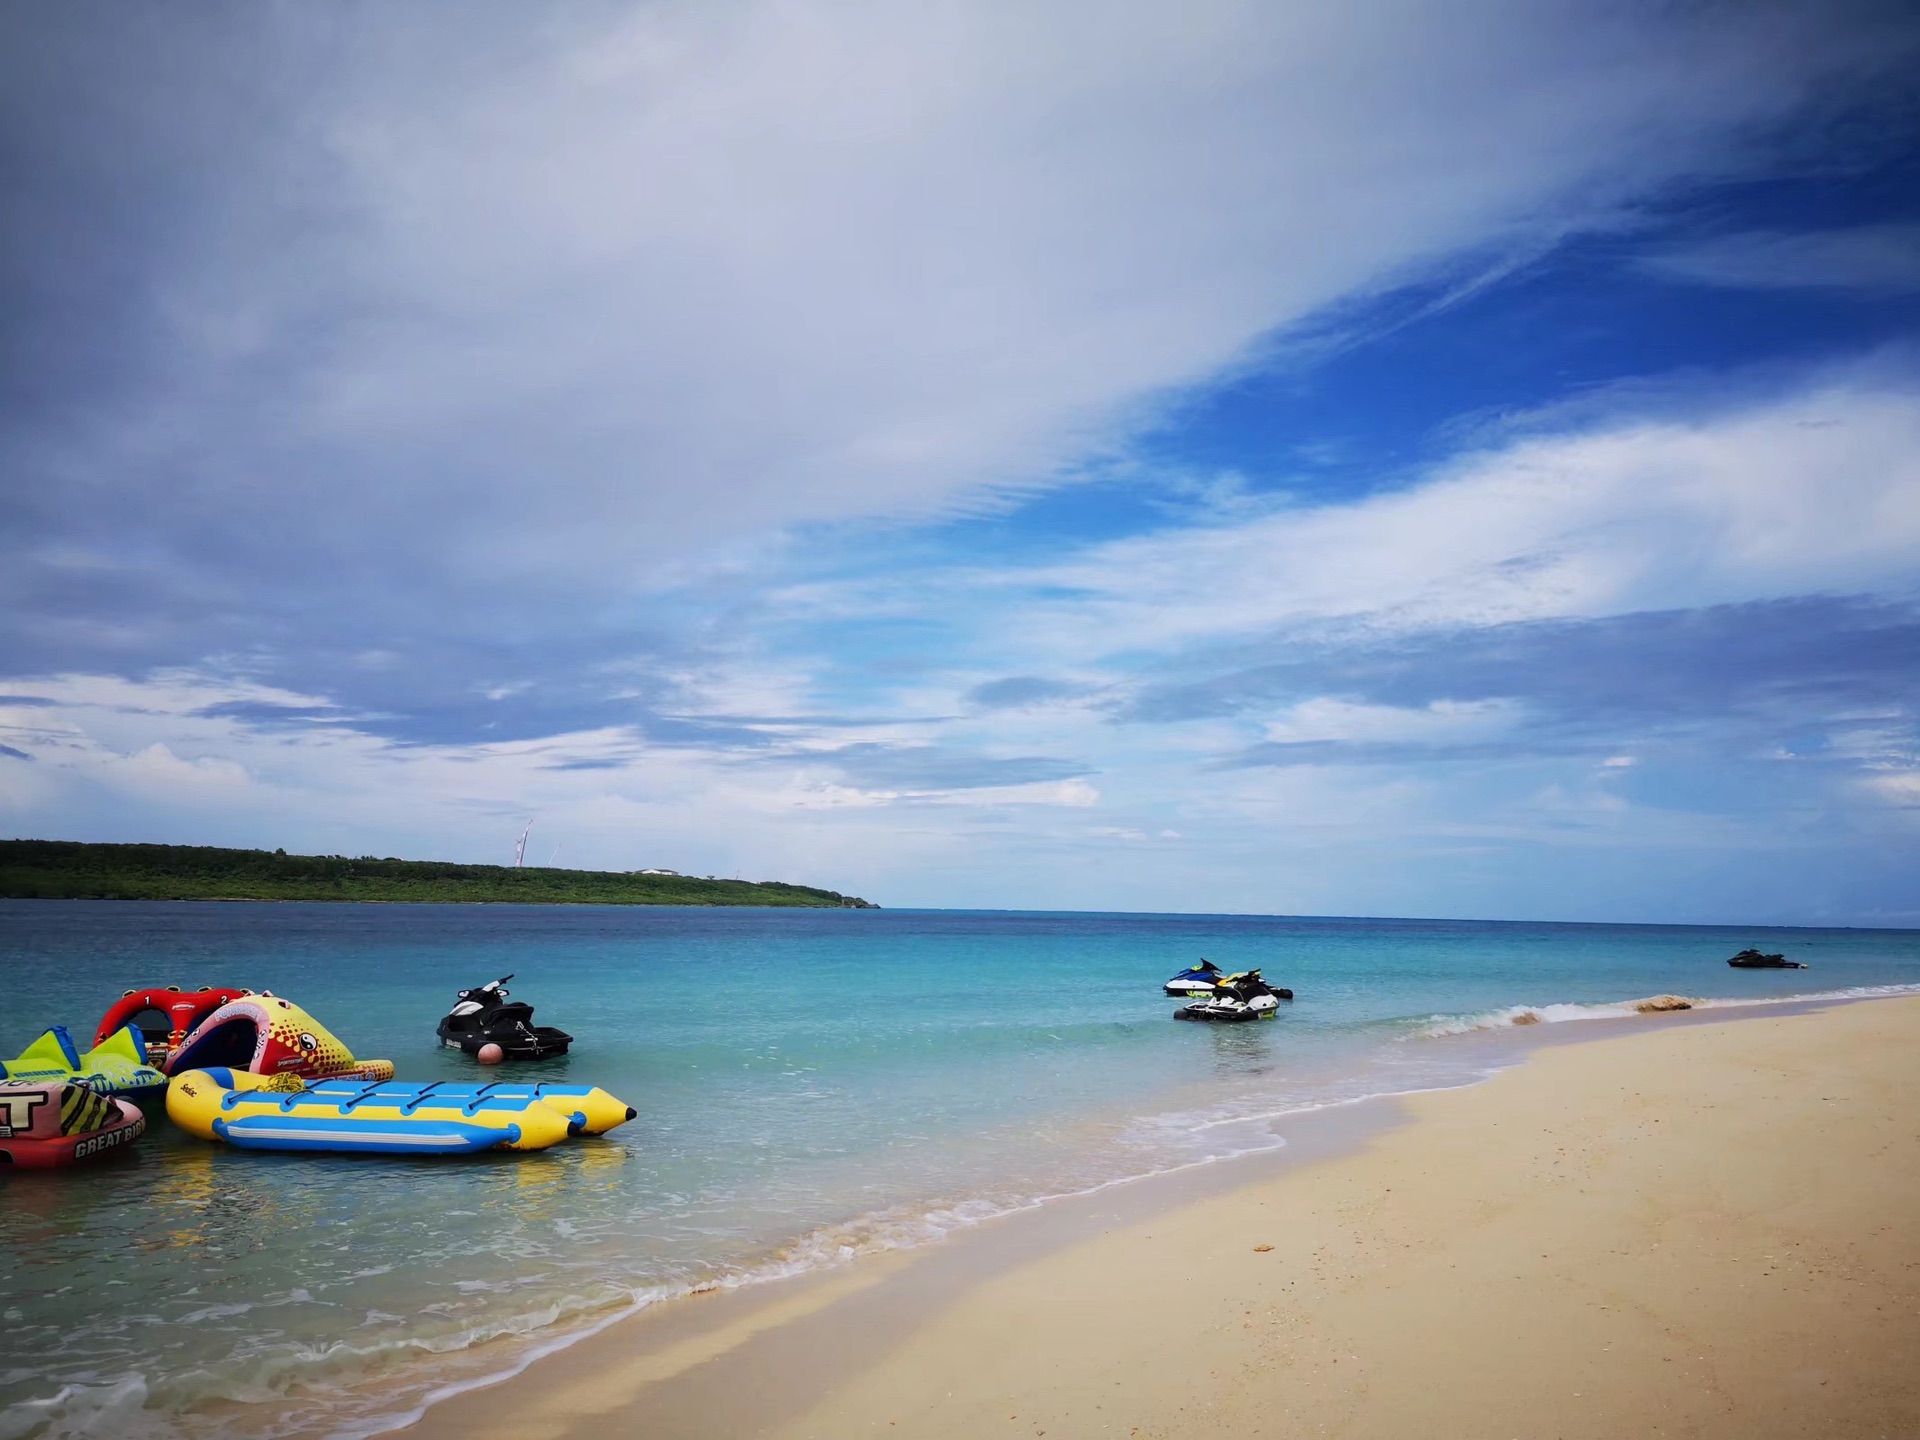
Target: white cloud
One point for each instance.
(168, 759)
(593, 289)
(1876, 258)
(1442, 722)
(803, 793)
(1897, 788)
(1819, 490)
(156, 769)
(833, 260)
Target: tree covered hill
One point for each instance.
(67, 870)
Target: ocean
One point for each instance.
(811, 1085)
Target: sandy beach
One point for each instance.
(1682, 1228)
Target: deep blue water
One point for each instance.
(810, 1084)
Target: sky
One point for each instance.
(1237, 456)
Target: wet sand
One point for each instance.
(1684, 1228)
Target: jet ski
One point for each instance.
(1754, 960)
(1195, 980)
(485, 1016)
(1245, 996)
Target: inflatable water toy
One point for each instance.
(266, 1035)
(1754, 960)
(280, 1112)
(484, 1016)
(116, 1066)
(589, 1110)
(1197, 979)
(164, 1014)
(43, 1127)
(1245, 996)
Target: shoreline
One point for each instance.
(1740, 927)
(677, 1368)
(388, 900)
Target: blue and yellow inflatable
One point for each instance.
(282, 1112)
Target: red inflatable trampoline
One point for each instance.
(165, 1015)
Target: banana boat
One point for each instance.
(284, 1112)
(589, 1109)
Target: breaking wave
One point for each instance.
(1511, 1015)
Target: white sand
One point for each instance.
(1693, 1230)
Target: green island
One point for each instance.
(70, 870)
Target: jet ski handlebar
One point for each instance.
(494, 989)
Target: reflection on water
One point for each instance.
(1247, 1048)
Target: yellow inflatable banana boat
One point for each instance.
(589, 1109)
(283, 1112)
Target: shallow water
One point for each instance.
(810, 1084)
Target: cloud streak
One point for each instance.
(1875, 259)
(1817, 490)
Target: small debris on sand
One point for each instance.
(1657, 1004)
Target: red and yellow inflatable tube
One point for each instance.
(43, 1127)
(265, 1035)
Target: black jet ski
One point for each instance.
(1195, 980)
(485, 1016)
(1245, 996)
(1754, 960)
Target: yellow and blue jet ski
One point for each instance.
(1195, 980)
(283, 1112)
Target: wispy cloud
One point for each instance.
(1818, 490)
(1874, 259)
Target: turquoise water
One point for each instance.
(810, 1085)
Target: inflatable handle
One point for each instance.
(346, 1106)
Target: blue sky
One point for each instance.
(1379, 459)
